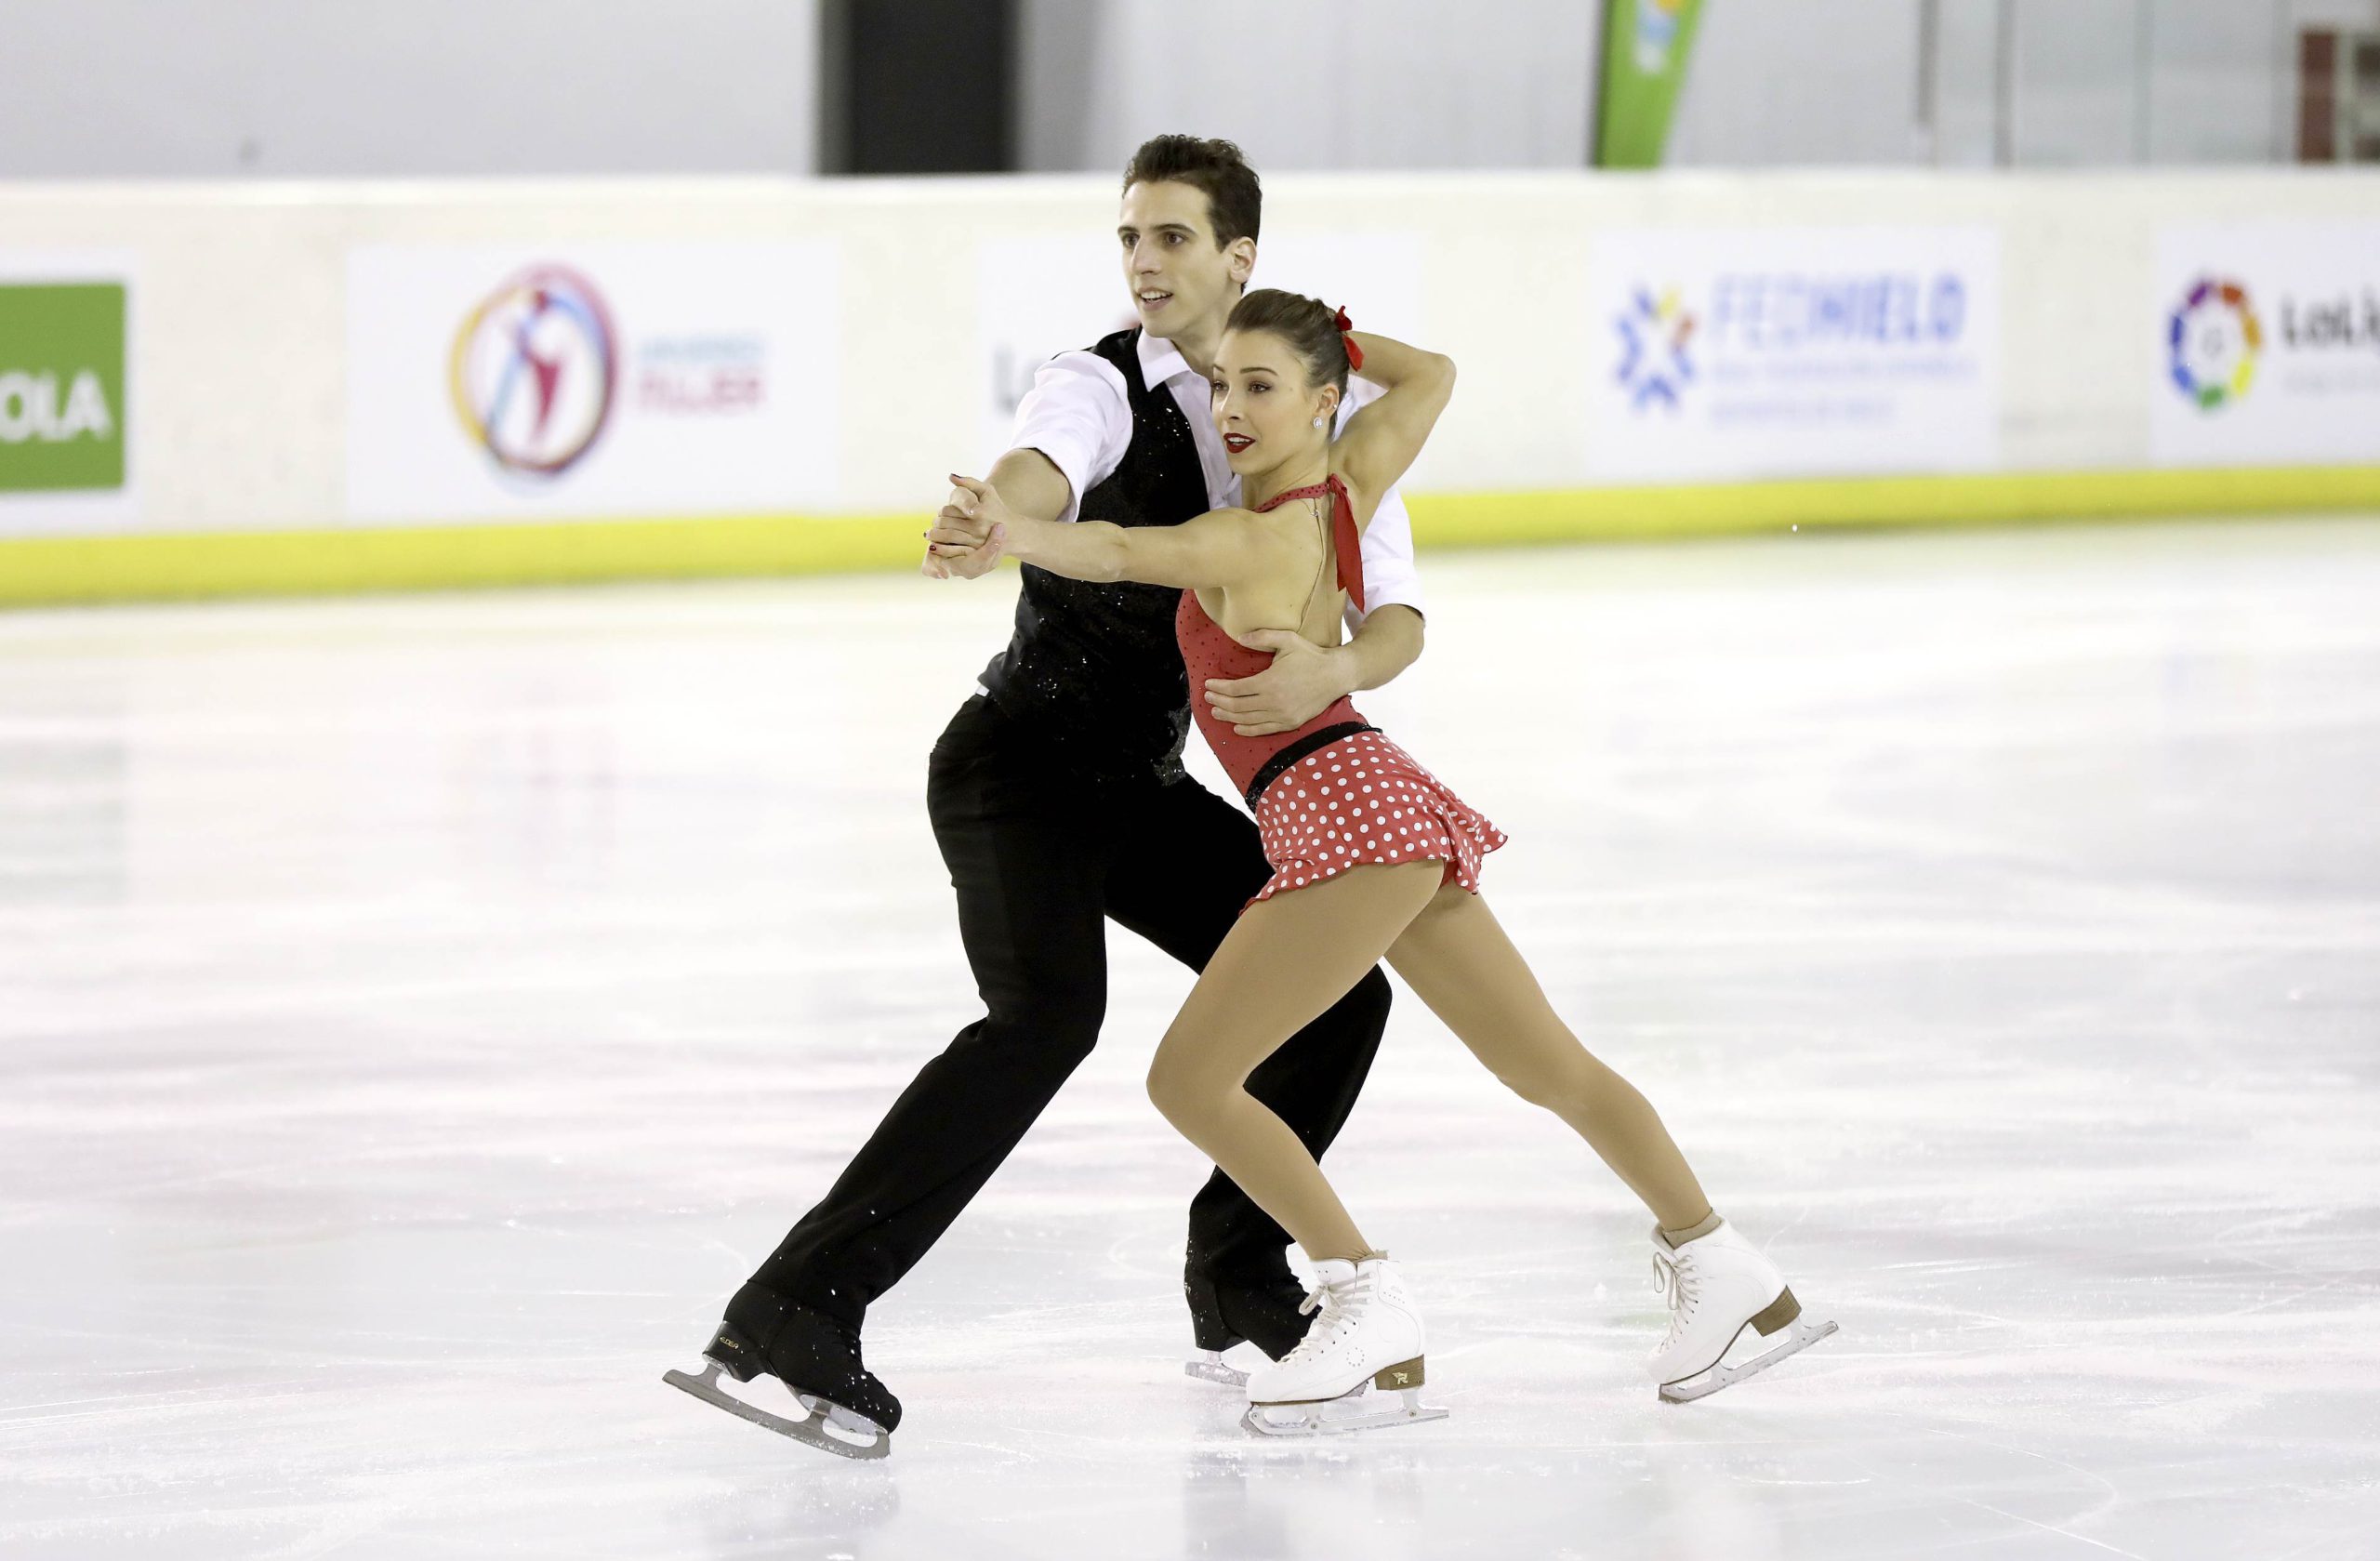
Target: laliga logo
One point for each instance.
(533, 371)
(2213, 342)
(1653, 334)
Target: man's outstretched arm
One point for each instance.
(1032, 484)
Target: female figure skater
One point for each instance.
(1371, 856)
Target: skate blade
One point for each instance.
(1209, 1367)
(1331, 1418)
(817, 1429)
(1799, 1335)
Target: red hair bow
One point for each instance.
(1354, 353)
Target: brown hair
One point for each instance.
(1235, 201)
(1310, 327)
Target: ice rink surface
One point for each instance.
(417, 1015)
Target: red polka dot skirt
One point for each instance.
(1363, 799)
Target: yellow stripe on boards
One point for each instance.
(54, 570)
(44, 570)
(1738, 509)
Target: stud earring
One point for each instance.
(1317, 422)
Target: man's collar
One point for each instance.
(1160, 360)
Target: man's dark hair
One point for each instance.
(1235, 201)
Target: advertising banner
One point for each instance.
(583, 380)
(65, 415)
(1047, 295)
(2268, 345)
(1645, 48)
(1734, 354)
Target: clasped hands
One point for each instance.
(966, 540)
(968, 534)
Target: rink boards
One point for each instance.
(325, 388)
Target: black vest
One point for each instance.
(1093, 670)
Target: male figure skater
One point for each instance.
(1083, 716)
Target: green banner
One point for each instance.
(61, 386)
(1645, 46)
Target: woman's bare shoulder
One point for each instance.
(1289, 523)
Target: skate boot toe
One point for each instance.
(1365, 1334)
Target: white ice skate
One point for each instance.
(1718, 1286)
(1366, 1334)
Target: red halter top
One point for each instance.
(1207, 652)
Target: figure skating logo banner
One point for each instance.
(534, 370)
(2269, 337)
(595, 379)
(1792, 352)
(65, 369)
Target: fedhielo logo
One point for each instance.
(1655, 333)
(534, 370)
(2213, 341)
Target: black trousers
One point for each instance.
(1041, 854)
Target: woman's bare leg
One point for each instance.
(1457, 959)
(1284, 960)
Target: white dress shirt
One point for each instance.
(1080, 415)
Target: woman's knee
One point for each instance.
(1184, 1092)
(1566, 1082)
(1169, 1093)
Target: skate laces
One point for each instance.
(1678, 1285)
(1338, 1302)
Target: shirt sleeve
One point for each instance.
(1390, 576)
(1077, 415)
(1389, 573)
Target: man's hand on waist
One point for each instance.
(1302, 682)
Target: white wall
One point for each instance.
(1826, 82)
(2223, 85)
(430, 88)
(1418, 84)
(344, 90)
(1319, 84)
(2094, 82)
